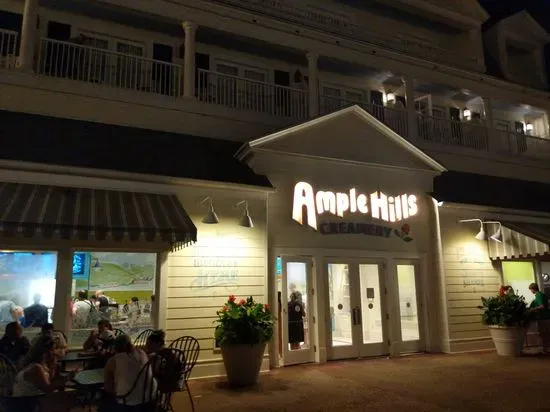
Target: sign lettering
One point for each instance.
(377, 205)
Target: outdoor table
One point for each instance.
(91, 378)
(89, 383)
(77, 357)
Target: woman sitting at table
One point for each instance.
(121, 373)
(59, 340)
(39, 376)
(100, 339)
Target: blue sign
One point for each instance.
(80, 265)
(279, 266)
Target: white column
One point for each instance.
(161, 290)
(412, 123)
(63, 285)
(313, 84)
(491, 131)
(28, 35)
(190, 29)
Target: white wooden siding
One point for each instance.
(226, 260)
(469, 276)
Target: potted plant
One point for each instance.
(243, 331)
(505, 316)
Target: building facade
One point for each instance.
(368, 145)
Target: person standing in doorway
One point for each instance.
(296, 313)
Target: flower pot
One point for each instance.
(508, 340)
(242, 363)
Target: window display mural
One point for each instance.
(118, 287)
(27, 287)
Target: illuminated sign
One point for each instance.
(377, 205)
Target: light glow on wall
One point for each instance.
(378, 205)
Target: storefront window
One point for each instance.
(519, 275)
(115, 286)
(27, 289)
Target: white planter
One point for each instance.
(242, 363)
(508, 340)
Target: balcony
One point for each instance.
(115, 70)
(317, 19)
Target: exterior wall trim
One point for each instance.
(38, 172)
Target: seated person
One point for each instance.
(169, 369)
(121, 373)
(60, 342)
(36, 315)
(40, 376)
(155, 343)
(100, 339)
(13, 345)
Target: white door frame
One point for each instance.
(359, 349)
(321, 310)
(291, 357)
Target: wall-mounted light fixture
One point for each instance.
(390, 98)
(245, 220)
(529, 127)
(497, 236)
(211, 217)
(482, 235)
(467, 113)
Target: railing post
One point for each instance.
(28, 35)
(412, 124)
(313, 84)
(190, 29)
(489, 125)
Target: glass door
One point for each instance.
(296, 300)
(358, 318)
(409, 307)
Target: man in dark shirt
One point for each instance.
(13, 345)
(36, 315)
(103, 304)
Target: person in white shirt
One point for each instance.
(81, 310)
(40, 376)
(121, 373)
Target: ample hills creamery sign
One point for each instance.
(310, 204)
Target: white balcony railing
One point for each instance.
(250, 95)
(306, 15)
(8, 48)
(452, 132)
(518, 144)
(93, 65)
(396, 119)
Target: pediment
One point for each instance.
(349, 135)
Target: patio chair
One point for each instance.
(157, 381)
(118, 332)
(141, 339)
(7, 375)
(190, 348)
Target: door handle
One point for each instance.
(353, 317)
(359, 315)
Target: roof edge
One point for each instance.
(357, 111)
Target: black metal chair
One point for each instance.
(118, 332)
(190, 348)
(157, 381)
(7, 375)
(8, 403)
(141, 339)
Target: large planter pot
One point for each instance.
(242, 363)
(508, 340)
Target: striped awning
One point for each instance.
(519, 240)
(93, 214)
